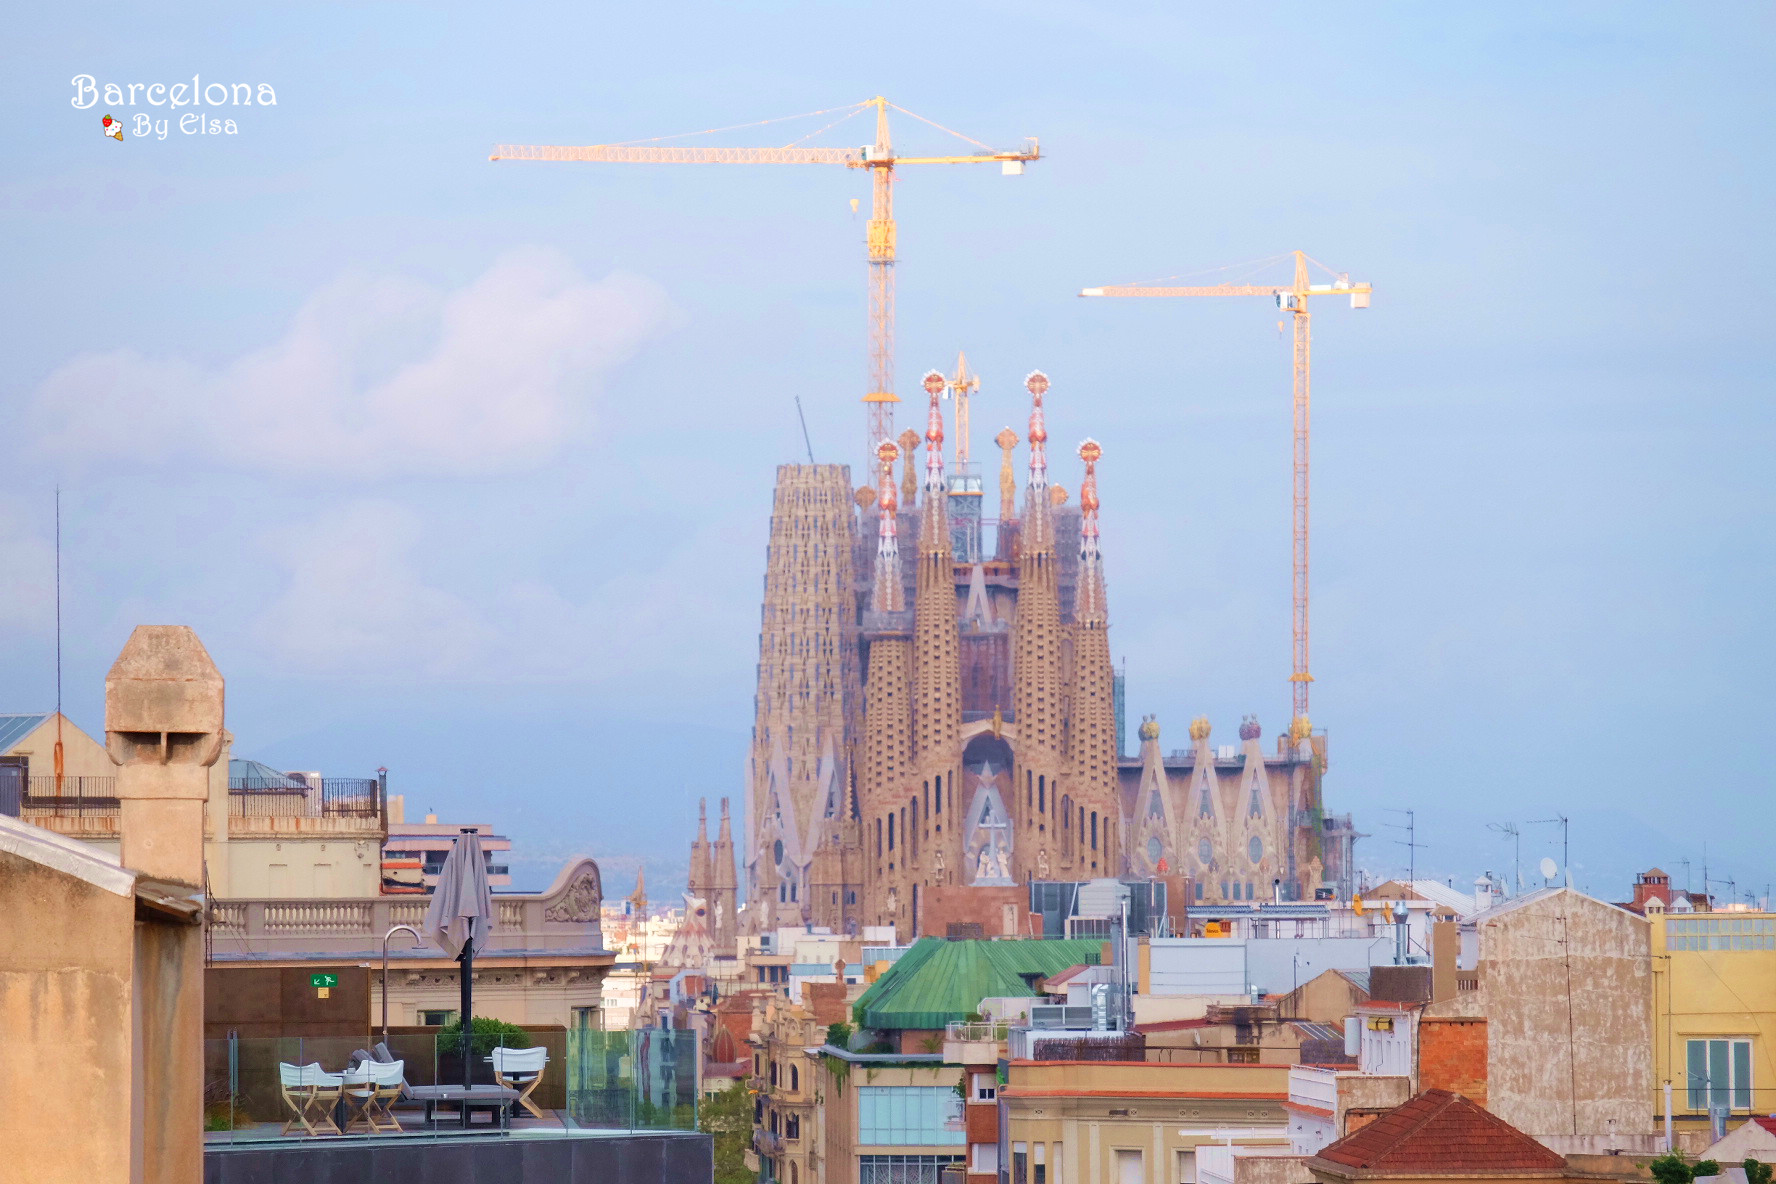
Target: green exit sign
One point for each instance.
(323, 980)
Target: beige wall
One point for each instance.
(1085, 1113)
(82, 756)
(311, 863)
(66, 965)
(1566, 989)
(519, 991)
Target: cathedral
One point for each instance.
(937, 712)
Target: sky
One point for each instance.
(464, 468)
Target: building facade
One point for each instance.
(937, 709)
(1714, 1011)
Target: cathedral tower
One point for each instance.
(931, 853)
(724, 892)
(887, 756)
(701, 874)
(1047, 834)
(1092, 765)
(807, 689)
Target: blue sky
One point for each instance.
(464, 468)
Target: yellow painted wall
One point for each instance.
(1713, 993)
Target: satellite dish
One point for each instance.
(1550, 869)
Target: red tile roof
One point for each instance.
(1441, 1131)
(1767, 1121)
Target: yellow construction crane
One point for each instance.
(878, 157)
(959, 386)
(1291, 298)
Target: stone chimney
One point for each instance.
(163, 728)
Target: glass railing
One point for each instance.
(638, 1079)
(319, 1088)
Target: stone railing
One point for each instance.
(562, 919)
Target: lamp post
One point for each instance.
(417, 941)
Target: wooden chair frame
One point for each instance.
(377, 1089)
(521, 1077)
(303, 1088)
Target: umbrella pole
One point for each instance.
(467, 959)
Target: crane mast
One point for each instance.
(1292, 299)
(878, 157)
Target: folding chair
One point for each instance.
(305, 1088)
(375, 1086)
(520, 1069)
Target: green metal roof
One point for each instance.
(938, 981)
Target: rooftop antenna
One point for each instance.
(1509, 830)
(805, 441)
(58, 611)
(1565, 870)
(1410, 842)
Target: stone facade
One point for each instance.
(925, 723)
(1565, 989)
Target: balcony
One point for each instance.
(335, 806)
(974, 1044)
(562, 920)
(767, 1143)
(80, 807)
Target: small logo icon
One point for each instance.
(113, 128)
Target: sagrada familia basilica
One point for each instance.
(937, 717)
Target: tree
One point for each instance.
(489, 1034)
(1671, 1169)
(728, 1116)
(1757, 1173)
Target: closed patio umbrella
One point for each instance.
(459, 919)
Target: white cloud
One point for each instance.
(27, 575)
(355, 601)
(374, 375)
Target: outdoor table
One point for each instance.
(466, 1098)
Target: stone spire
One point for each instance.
(934, 523)
(1092, 602)
(1051, 819)
(700, 882)
(889, 596)
(1092, 775)
(937, 671)
(1007, 440)
(909, 486)
(1038, 524)
(723, 886)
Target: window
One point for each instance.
(909, 1116)
(773, 1070)
(986, 1089)
(1720, 1074)
(1020, 1163)
(903, 1169)
(1720, 933)
(1187, 1166)
(1128, 1167)
(795, 1078)
(792, 1127)
(436, 1019)
(1038, 1165)
(984, 1159)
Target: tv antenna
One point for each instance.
(1510, 831)
(59, 766)
(1410, 842)
(1565, 867)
